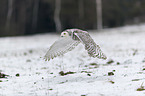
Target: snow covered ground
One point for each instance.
(122, 74)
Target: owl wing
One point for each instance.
(60, 47)
(92, 48)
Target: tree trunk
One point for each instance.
(35, 15)
(99, 14)
(81, 12)
(9, 14)
(81, 9)
(57, 15)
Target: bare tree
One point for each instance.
(9, 14)
(81, 9)
(57, 15)
(35, 15)
(99, 14)
(81, 12)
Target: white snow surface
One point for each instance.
(124, 45)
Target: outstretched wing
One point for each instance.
(60, 47)
(92, 48)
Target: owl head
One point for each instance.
(69, 32)
(64, 34)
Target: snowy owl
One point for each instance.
(71, 38)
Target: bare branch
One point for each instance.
(35, 15)
(9, 14)
(99, 14)
(57, 15)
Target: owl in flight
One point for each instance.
(71, 38)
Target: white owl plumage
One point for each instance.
(71, 38)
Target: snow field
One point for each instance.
(124, 47)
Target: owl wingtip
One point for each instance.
(46, 59)
(104, 58)
(101, 57)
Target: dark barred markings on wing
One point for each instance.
(92, 48)
(100, 54)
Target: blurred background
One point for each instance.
(23, 17)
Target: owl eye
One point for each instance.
(64, 33)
